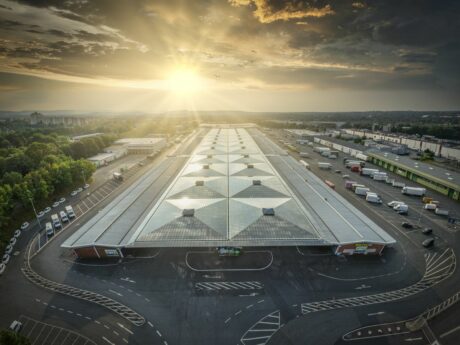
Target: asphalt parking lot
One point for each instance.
(41, 333)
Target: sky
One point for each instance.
(250, 55)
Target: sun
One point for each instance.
(184, 81)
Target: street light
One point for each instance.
(35, 211)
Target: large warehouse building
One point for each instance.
(236, 189)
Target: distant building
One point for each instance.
(38, 119)
(102, 159)
(84, 136)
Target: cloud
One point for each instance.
(267, 11)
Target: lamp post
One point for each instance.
(35, 211)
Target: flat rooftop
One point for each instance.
(138, 141)
(237, 188)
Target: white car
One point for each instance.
(40, 214)
(46, 210)
(6, 258)
(13, 241)
(24, 225)
(345, 176)
(61, 200)
(2, 268)
(394, 203)
(86, 186)
(74, 193)
(79, 190)
(56, 204)
(8, 249)
(17, 233)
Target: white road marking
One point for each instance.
(108, 341)
(116, 293)
(159, 334)
(128, 330)
(450, 332)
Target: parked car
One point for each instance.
(338, 171)
(345, 176)
(13, 241)
(40, 214)
(86, 186)
(24, 225)
(402, 209)
(428, 242)
(56, 204)
(63, 216)
(74, 193)
(79, 190)
(8, 249)
(2, 268)
(49, 229)
(15, 326)
(394, 203)
(17, 233)
(61, 200)
(5, 258)
(407, 225)
(427, 231)
(46, 210)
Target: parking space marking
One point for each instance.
(43, 330)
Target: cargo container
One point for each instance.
(398, 184)
(323, 165)
(413, 191)
(368, 171)
(380, 176)
(441, 212)
(356, 185)
(330, 184)
(362, 191)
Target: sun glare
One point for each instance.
(185, 81)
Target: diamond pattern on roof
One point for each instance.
(197, 192)
(261, 191)
(251, 172)
(272, 227)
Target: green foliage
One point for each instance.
(11, 338)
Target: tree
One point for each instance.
(11, 178)
(12, 338)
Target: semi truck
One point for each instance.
(416, 191)
(368, 171)
(373, 198)
(305, 164)
(398, 184)
(380, 176)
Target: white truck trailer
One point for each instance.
(416, 191)
(369, 171)
(362, 191)
(324, 165)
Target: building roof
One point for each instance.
(231, 191)
(100, 157)
(434, 173)
(83, 136)
(138, 141)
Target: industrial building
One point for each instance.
(102, 159)
(141, 145)
(237, 189)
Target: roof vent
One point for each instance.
(212, 147)
(250, 166)
(268, 211)
(188, 212)
(256, 182)
(241, 142)
(246, 156)
(209, 156)
(214, 142)
(206, 166)
(199, 183)
(243, 147)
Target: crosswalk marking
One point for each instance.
(258, 333)
(215, 286)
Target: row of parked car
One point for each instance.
(55, 224)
